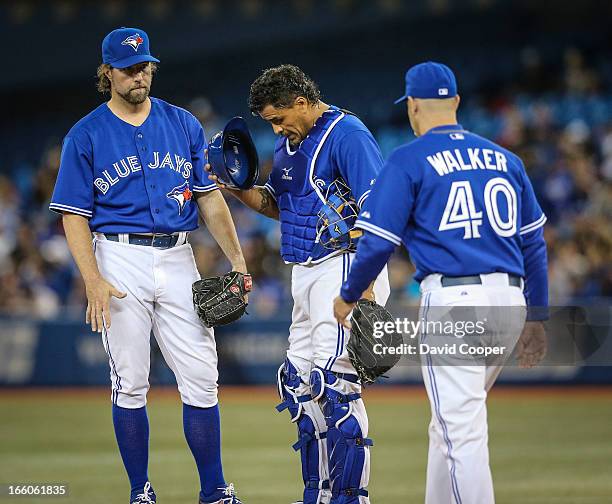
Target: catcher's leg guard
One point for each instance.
(339, 396)
(311, 432)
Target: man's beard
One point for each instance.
(135, 96)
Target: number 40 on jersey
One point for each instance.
(461, 212)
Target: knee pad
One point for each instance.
(348, 448)
(292, 390)
(311, 444)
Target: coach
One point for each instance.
(466, 211)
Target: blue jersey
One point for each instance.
(339, 146)
(133, 179)
(460, 203)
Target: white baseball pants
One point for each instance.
(458, 469)
(314, 336)
(158, 286)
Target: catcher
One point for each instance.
(325, 162)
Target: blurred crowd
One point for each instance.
(569, 161)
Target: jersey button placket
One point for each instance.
(139, 139)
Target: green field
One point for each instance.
(545, 447)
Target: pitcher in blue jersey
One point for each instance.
(465, 210)
(325, 163)
(132, 172)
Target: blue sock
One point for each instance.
(203, 434)
(132, 433)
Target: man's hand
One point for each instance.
(257, 198)
(532, 345)
(99, 293)
(342, 310)
(220, 300)
(215, 213)
(369, 293)
(98, 290)
(214, 178)
(240, 267)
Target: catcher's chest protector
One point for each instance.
(297, 176)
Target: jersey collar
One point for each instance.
(446, 128)
(332, 108)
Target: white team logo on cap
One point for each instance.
(443, 91)
(133, 41)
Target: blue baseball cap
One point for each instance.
(429, 80)
(125, 47)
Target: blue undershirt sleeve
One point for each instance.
(373, 252)
(536, 274)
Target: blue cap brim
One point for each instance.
(400, 100)
(133, 60)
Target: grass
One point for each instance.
(546, 447)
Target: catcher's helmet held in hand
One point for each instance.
(232, 155)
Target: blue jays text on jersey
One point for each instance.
(133, 179)
(338, 146)
(459, 203)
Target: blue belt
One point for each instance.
(446, 281)
(157, 241)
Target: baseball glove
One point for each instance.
(368, 363)
(220, 300)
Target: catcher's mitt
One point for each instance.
(220, 300)
(368, 363)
